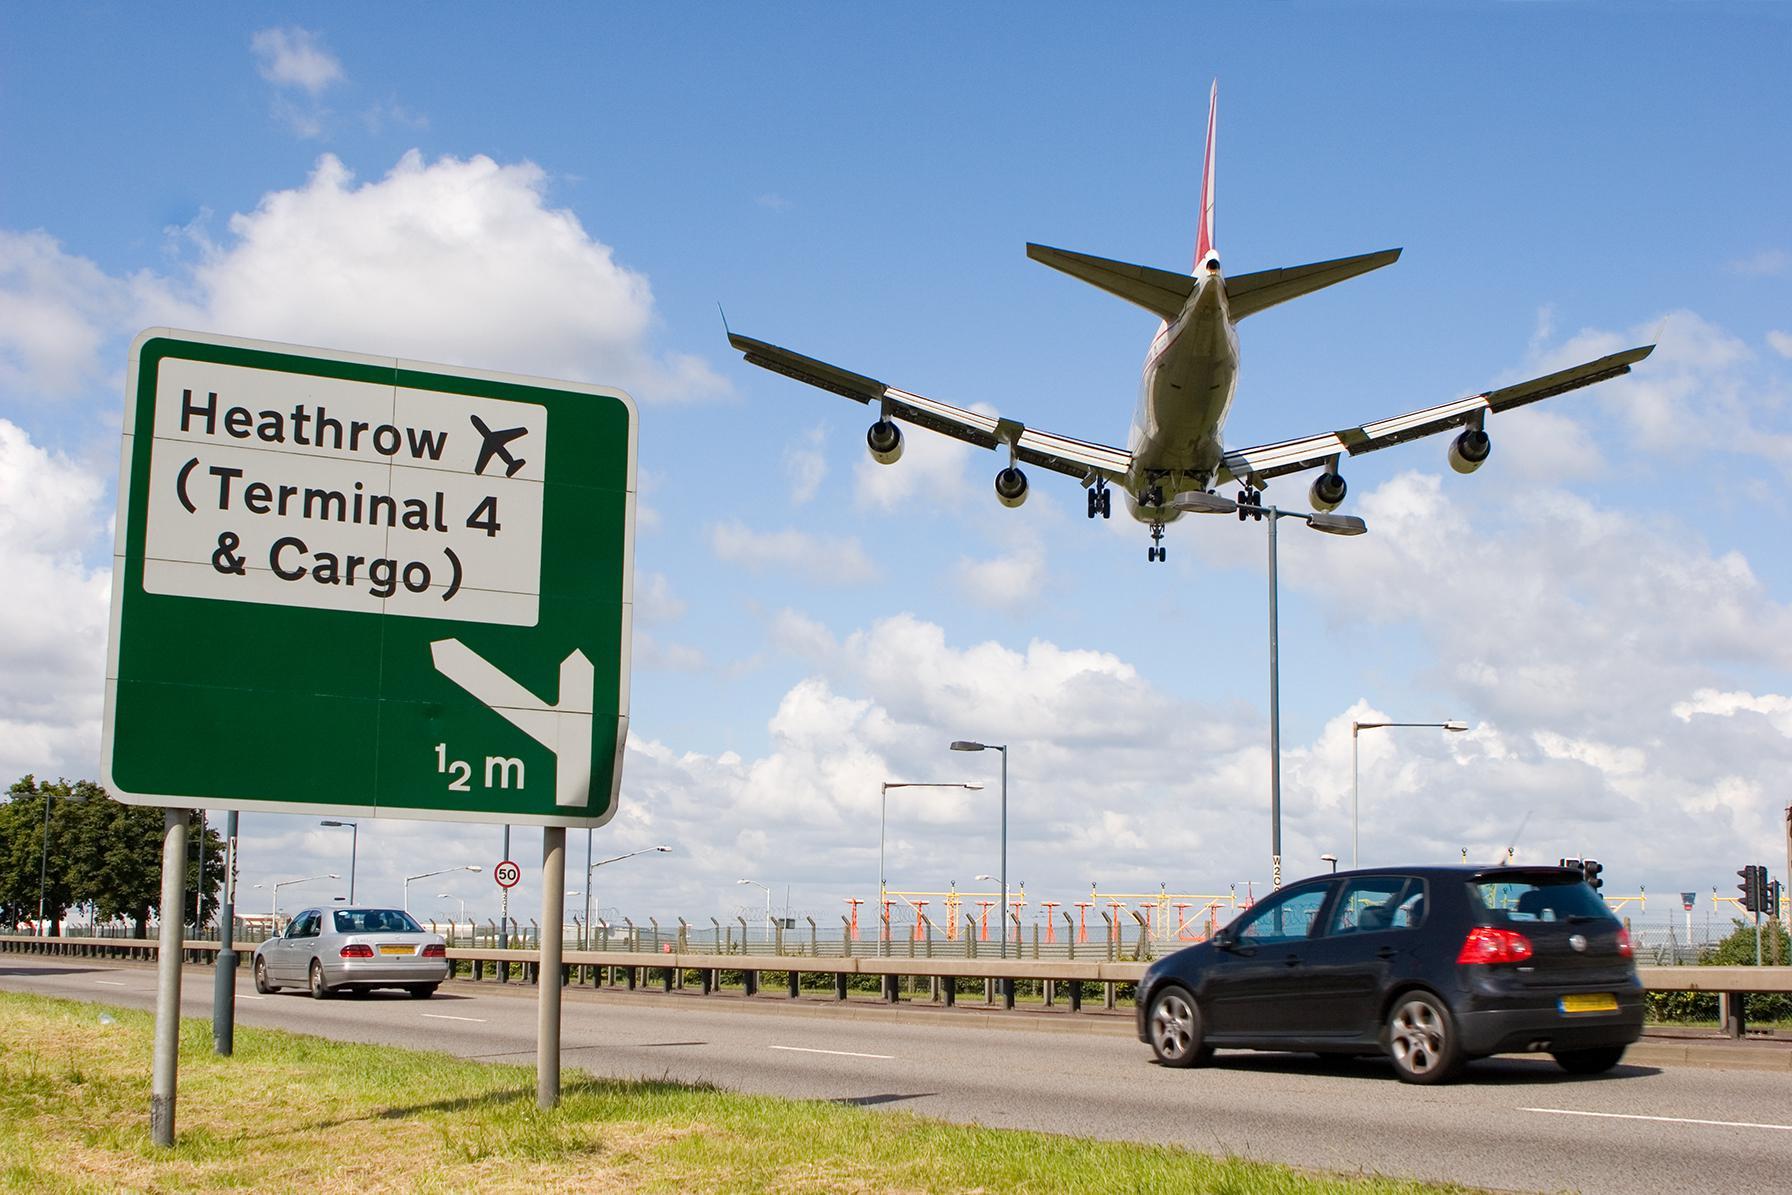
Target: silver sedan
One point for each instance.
(353, 950)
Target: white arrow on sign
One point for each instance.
(563, 728)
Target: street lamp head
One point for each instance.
(1337, 524)
(662, 848)
(967, 745)
(474, 867)
(337, 824)
(1201, 503)
(1456, 726)
(1328, 858)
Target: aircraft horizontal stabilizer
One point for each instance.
(1247, 294)
(1161, 292)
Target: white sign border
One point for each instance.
(378, 812)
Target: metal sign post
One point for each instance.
(224, 984)
(163, 1079)
(549, 974)
(362, 586)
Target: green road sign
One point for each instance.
(362, 585)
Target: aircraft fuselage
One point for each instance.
(1185, 393)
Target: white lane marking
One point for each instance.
(441, 1016)
(837, 1053)
(246, 996)
(1728, 1124)
(112, 983)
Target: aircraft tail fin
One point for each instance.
(1205, 255)
(1247, 294)
(1162, 292)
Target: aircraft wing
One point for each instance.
(1075, 458)
(1291, 456)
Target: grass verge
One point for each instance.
(290, 1112)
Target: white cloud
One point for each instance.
(54, 611)
(1776, 708)
(1780, 342)
(836, 561)
(1766, 263)
(804, 465)
(1011, 581)
(930, 474)
(294, 57)
(655, 603)
(459, 261)
(58, 312)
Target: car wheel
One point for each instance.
(1422, 1041)
(1589, 1062)
(261, 978)
(421, 991)
(1175, 1028)
(319, 989)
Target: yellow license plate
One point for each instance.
(413, 950)
(1599, 1002)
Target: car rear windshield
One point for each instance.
(375, 921)
(1526, 900)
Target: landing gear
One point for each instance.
(1101, 500)
(1247, 499)
(1157, 551)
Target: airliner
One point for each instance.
(1186, 392)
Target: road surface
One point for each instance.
(1512, 1124)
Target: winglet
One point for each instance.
(1205, 255)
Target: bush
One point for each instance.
(1736, 950)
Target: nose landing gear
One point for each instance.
(1157, 551)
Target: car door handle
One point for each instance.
(1292, 960)
(1386, 953)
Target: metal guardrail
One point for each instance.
(1729, 984)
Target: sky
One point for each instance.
(582, 192)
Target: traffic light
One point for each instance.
(1753, 887)
(1591, 869)
(1771, 899)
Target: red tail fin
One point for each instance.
(1204, 251)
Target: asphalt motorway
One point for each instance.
(1515, 1124)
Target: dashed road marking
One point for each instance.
(442, 1016)
(112, 983)
(837, 1053)
(1728, 1124)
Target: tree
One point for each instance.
(101, 851)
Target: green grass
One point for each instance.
(290, 1112)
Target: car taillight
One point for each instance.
(1624, 943)
(357, 950)
(435, 950)
(1486, 944)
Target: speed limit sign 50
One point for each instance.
(507, 874)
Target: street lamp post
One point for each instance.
(1453, 726)
(451, 896)
(354, 847)
(1332, 859)
(427, 874)
(43, 875)
(967, 745)
(883, 810)
(1198, 502)
(768, 902)
(591, 867)
(274, 911)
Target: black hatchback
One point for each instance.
(1432, 966)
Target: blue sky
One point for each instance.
(1606, 602)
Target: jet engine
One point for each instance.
(1468, 451)
(1327, 491)
(1011, 487)
(885, 441)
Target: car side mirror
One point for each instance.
(1223, 940)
